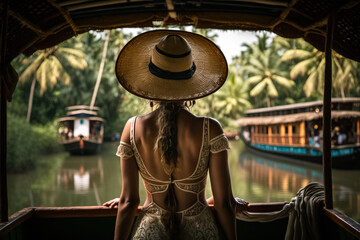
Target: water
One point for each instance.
(65, 180)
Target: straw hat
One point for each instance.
(170, 65)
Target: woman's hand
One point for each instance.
(112, 203)
(241, 204)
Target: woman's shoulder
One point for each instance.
(215, 127)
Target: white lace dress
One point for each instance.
(197, 221)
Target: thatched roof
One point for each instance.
(301, 105)
(39, 24)
(290, 118)
(30, 25)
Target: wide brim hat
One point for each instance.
(132, 68)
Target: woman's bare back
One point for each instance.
(190, 139)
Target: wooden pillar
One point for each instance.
(327, 116)
(282, 134)
(270, 140)
(3, 118)
(358, 131)
(302, 133)
(290, 134)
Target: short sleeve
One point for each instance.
(219, 143)
(124, 150)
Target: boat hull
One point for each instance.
(82, 147)
(342, 158)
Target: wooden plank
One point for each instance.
(266, 207)
(327, 116)
(343, 221)
(3, 118)
(15, 220)
(100, 211)
(66, 212)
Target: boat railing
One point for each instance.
(278, 139)
(46, 219)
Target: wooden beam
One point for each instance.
(327, 116)
(3, 117)
(171, 9)
(343, 221)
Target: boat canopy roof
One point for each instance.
(64, 119)
(82, 107)
(40, 24)
(290, 118)
(81, 113)
(300, 105)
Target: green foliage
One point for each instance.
(47, 137)
(22, 147)
(25, 143)
(263, 70)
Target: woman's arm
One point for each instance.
(224, 202)
(129, 198)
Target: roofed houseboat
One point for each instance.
(81, 132)
(295, 131)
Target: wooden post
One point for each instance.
(270, 135)
(3, 118)
(302, 133)
(282, 134)
(290, 135)
(358, 131)
(327, 116)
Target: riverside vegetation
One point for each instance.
(270, 71)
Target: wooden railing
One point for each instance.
(26, 214)
(277, 139)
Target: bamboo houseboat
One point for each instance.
(81, 132)
(27, 26)
(295, 131)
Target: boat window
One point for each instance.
(286, 130)
(294, 129)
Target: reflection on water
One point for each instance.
(65, 180)
(270, 179)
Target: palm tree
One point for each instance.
(263, 70)
(345, 78)
(232, 98)
(310, 63)
(47, 69)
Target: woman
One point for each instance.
(171, 148)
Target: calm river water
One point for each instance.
(65, 180)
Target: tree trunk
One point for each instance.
(101, 69)
(31, 99)
(268, 100)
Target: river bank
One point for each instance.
(65, 180)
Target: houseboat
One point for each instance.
(27, 26)
(295, 131)
(81, 132)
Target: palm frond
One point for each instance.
(309, 86)
(258, 89)
(288, 83)
(296, 54)
(31, 69)
(271, 89)
(254, 79)
(301, 69)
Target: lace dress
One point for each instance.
(197, 221)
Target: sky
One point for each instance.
(229, 41)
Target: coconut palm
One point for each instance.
(47, 69)
(233, 98)
(264, 72)
(345, 77)
(310, 64)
